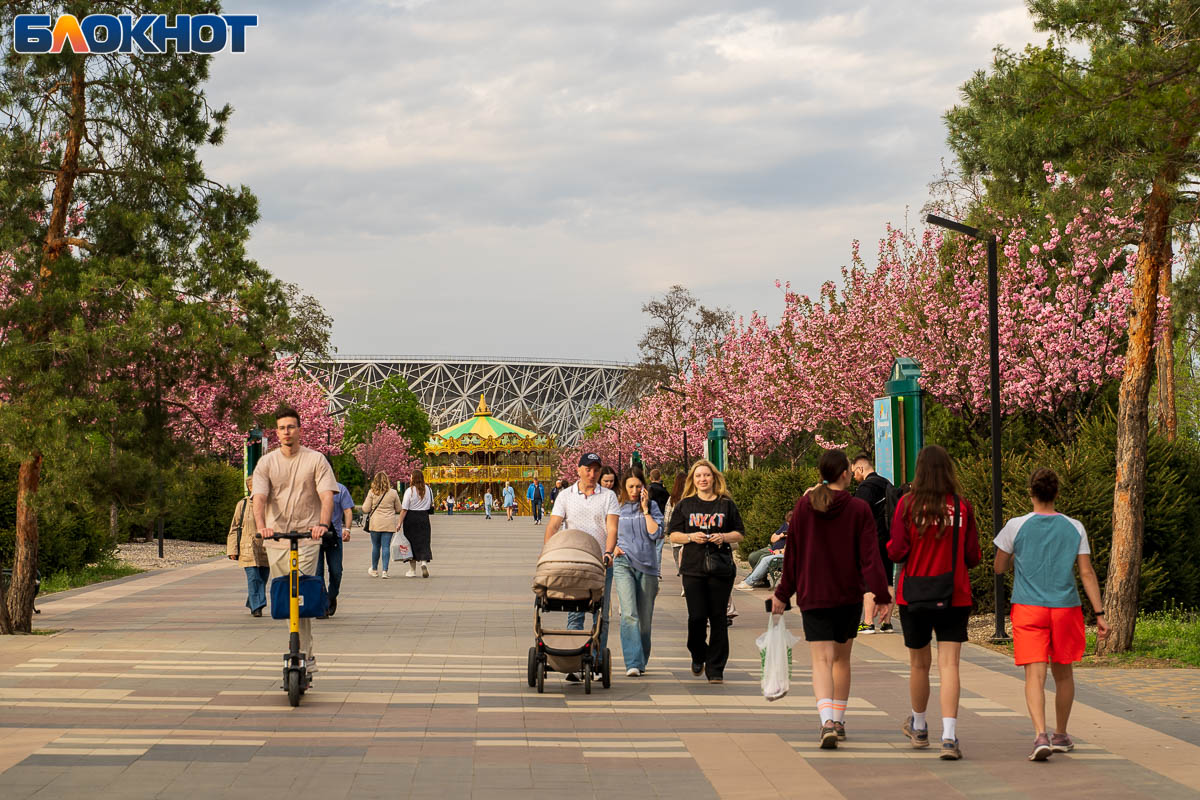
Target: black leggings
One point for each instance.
(707, 599)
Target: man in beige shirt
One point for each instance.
(293, 491)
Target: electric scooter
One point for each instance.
(296, 678)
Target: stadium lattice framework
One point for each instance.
(551, 396)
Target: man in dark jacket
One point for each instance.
(873, 488)
(658, 492)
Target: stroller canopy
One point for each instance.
(571, 567)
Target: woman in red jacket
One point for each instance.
(832, 553)
(934, 534)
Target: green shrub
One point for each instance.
(765, 499)
(1087, 473)
(200, 502)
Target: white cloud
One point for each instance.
(474, 177)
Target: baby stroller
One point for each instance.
(569, 577)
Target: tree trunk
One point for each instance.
(1129, 494)
(21, 590)
(1168, 422)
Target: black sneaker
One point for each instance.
(828, 736)
(840, 727)
(697, 668)
(864, 628)
(572, 678)
(886, 628)
(256, 612)
(332, 609)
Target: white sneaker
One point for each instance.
(374, 573)
(424, 570)
(383, 574)
(744, 587)
(411, 573)
(633, 672)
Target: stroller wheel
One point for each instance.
(606, 673)
(541, 677)
(532, 669)
(587, 678)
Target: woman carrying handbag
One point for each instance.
(381, 513)
(706, 522)
(934, 534)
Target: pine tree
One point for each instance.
(125, 272)
(1126, 113)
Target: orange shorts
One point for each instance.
(1047, 634)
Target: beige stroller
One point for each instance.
(569, 577)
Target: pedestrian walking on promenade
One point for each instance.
(608, 478)
(381, 519)
(706, 522)
(245, 546)
(487, 503)
(636, 567)
(935, 537)
(672, 501)
(832, 552)
(536, 499)
(510, 500)
(558, 483)
(414, 516)
(293, 491)
(587, 506)
(658, 492)
(1044, 548)
(876, 490)
(331, 546)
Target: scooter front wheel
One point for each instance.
(294, 687)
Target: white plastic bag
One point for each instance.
(775, 650)
(401, 549)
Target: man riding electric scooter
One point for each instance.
(293, 492)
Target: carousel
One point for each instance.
(465, 460)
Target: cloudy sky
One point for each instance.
(461, 177)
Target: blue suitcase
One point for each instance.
(312, 596)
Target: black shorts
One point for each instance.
(950, 624)
(838, 624)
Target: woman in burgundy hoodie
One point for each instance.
(934, 533)
(831, 561)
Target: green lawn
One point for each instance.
(106, 570)
(1171, 635)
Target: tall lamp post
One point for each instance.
(662, 388)
(1000, 634)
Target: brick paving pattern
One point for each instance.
(163, 685)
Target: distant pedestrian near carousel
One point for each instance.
(381, 514)
(487, 503)
(536, 498)
(414, 517)
(510, 500)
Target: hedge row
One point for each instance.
(1170, 573)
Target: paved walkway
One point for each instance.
(162, 685)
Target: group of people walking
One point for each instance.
(833, 550)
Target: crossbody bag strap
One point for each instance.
(954, 546)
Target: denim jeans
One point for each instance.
(575, 618)
(256, 587)
(381, 548)
(637, 591)
(759, 573)
(331, 554)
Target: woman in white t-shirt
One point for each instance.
(414, 519)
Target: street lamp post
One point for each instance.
(684, 396)
(617, 431)
(1000, 634)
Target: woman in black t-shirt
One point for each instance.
(706, 522)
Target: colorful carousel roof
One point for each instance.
(483, 432)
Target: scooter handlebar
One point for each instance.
(290, 535)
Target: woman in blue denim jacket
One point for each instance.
(636, 569)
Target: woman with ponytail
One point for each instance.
(832, 553)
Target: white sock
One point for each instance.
(949, 725)
(839, 710)
(919, 722)
(825, 709)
